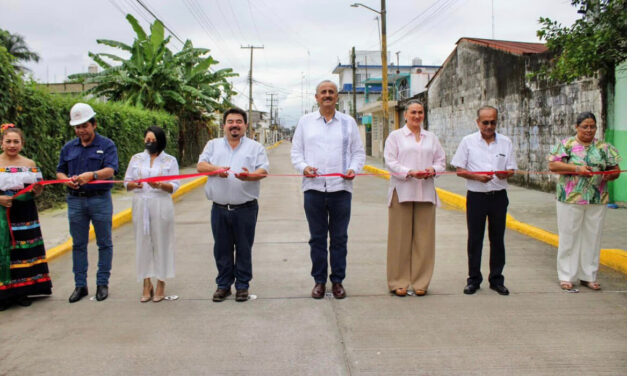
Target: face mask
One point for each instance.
(151, 147)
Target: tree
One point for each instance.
(153, 77)
(594, 43)
(17, 47)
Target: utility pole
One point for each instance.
(272, 104)
(302, 93)
(273, 115)
(354, 84)
(398, 69)
(251, 131)
(384, 73)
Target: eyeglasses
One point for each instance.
(490, 122)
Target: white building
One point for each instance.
(404, 81)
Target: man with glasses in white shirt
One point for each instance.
(326, 142)
(486, 150)
(234, 194)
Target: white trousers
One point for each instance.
(153, 220)
(580, 228)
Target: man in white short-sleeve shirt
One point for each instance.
(478, 153)
(234, 194)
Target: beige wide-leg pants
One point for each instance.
(580, 228)
(411, 244)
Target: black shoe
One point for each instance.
(221, 294)
(241, 295)
(78, 294)
(102, 291)
(471, 289)
(23, 301)
(4, 304)
(502, 290)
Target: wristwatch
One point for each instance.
(95, 175)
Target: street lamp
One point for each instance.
(384, 66)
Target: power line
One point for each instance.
(140, 2)
(443, 7)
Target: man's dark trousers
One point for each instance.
(493, 206)
(234, 235)
(328, 213)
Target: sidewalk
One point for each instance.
(537, 208)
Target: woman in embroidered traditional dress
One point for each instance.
(581, 201)
(23, 267)
(153, 213)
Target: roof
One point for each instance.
(516, 48)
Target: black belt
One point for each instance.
(87, 193)
(491, 193)
(231, 207)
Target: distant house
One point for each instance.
(404, 81)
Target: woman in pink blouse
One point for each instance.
(413, 156)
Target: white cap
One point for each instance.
(80, 113)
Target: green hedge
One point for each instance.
(44, 119)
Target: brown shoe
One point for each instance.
(318, 291)
(420, 292)
(241, 295)
(221, 294)
(400, 292)
(338, 291)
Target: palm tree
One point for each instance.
(153, 77)
(16, 46)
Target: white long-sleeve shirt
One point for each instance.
(139, 168)
(402, 153)
(331, 147)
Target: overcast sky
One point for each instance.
(303, 39)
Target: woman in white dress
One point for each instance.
(153, 213)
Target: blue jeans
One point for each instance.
(328, 213)
(233, 236)
(98, 210)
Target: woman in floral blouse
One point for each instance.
(581, 201)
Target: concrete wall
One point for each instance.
(534, 115)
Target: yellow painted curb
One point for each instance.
(613, 258)
(126, 215)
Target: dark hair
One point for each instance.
(13, 130)
(92, 121)
(159, 135)
(234, 110)
(583, 116)
(487, 108)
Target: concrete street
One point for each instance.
(537, 330)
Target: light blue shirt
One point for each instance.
(230, 190)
